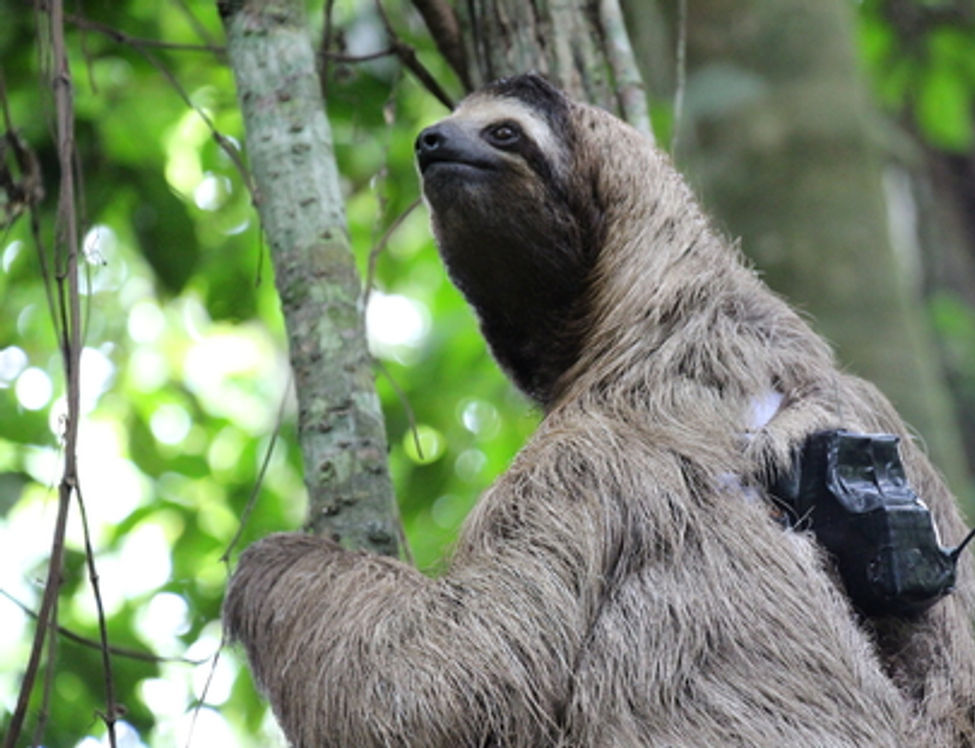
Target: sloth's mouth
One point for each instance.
(443, 162)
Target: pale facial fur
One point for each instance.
(477, 112)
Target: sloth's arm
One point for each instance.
(366, 649)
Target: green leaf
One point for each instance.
(944, 109)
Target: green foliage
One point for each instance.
(185, 365)
(920, 58)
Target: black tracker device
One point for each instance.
(851, 490)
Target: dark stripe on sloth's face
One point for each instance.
(532, 154)
(550, 106)
(538, 94)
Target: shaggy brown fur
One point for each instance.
(623, 584)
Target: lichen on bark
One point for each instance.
(289, 148)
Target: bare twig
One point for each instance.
(403, 51)
(35, 228)
(381, 245)
(407, 55)
(44, 619)
(143, 47)
(222, 140)
(112, 709)
(68, 320)
(24, 189)
(131, 654)
(404, 401)
(137, 41)
(324, 54)
(49, 671)
(252, 500)
(681, 76)
(46, 616)
(200, 29)
(206, 688)
(342, 57)
(630, 92)
(441, 21)
(71, 344)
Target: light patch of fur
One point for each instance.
(477, 112)
(607, 590)
(762, 408)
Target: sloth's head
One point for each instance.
(516, 214)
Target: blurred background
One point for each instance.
(834, 139)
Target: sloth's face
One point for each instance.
(492, 178)
(512, 233)
(488, 143)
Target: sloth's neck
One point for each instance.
(536, 346)
(682, 326)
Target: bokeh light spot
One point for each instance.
(34, 388)
(431, 444)
(170, 423)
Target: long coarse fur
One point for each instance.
(624, 582)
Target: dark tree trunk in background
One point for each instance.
(944, 197)
(580, 45)
(778, 139)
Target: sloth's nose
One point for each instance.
(429, 140)
(433, 144)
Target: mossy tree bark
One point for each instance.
(289, 147)
(779, 138)
(580, 45)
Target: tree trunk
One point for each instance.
(778, 139)
(580, 45)
(289, 146)
(944, 196)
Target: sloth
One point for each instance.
(626, 581)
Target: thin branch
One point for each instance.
(112, 707)
(72, 342)
(255, 490)
(381, 245)
(69, 321)
(137, 41)
(206, 689)
(25, 190)
(222, 140)
(84, 226)
(61, 80)
(49, 672)
(200, 29)
(343, 57)
(441, 21)
(128, 653)
(407, 56)
(403, 51)
(143, 46)
(630, 91)
(35, 229)
(44, 618)
(324, 53)
(678, 117)
(404, 401)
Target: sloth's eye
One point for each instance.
(504, 134)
